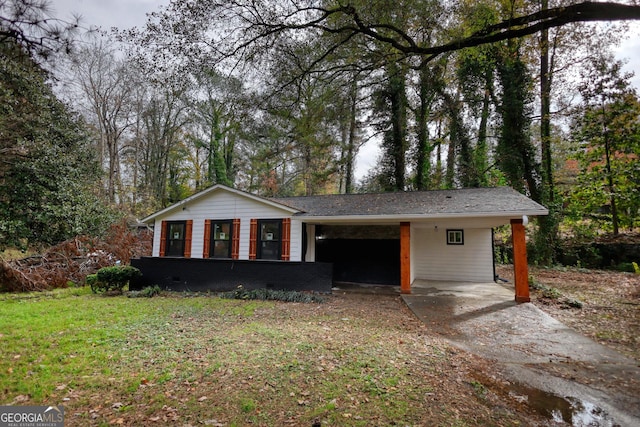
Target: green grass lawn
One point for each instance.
(208, 361)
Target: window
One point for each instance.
(176, 234)
(221, 238)
(455, 237)
(269, 239)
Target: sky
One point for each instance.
(107, 13)
(129, 13)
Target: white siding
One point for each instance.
(227, 205)
(311, 243)
(433, 259)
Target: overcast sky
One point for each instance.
(107, 13)
(129, 13)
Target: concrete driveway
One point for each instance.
(525, 342)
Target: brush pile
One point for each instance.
(70, 262)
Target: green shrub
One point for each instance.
(147, 292)
(534, 284)
(271, 295)
(636, 269)
(572, 303)
(546, 291)
(92, 280)
(627, 267)
(551, 293)
(113, 278)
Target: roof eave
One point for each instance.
(440, 216)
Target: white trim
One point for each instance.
(455, 236)
(404, 218)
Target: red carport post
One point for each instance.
(520, 267)
(405, 257)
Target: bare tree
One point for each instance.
(163, 120)
(104, 82)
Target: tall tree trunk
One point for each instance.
(481, 152)
(450, 172)
(545, 111)
(612, 189)
(398, 98)
(423, 149)
(459, 147)
(437, 178)
(546, 239)
(351, 143)
(516, 154)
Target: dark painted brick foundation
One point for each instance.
(181, 274)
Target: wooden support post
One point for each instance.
(405, 257)
(253, 239)
(188, 236)
(520, 266)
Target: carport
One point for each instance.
(360, 254)
(397, 238)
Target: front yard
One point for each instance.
(200, 360)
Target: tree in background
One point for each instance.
(348, 111)
(304, 111)
(391, 107)
(476, 70)
(107, 85)
(219, 104)
(430, 85)
(515, 153)
(29, 25)
(450, 85)
(607, 130)
(48, 173)
(164, 120)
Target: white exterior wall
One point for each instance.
(311, 243)
(433, 259)
(223, 205)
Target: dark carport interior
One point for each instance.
(360, 254)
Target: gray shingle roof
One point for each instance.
(500, 201)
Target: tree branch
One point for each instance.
(333, 21)
(533, 23)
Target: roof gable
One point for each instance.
(209, 192)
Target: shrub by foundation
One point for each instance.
(271, 295)
(115, 278)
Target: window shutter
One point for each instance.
(235, 239)
(163, 238)
(286, 239)
(253, 237)
(207, 238)
(187, 239)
